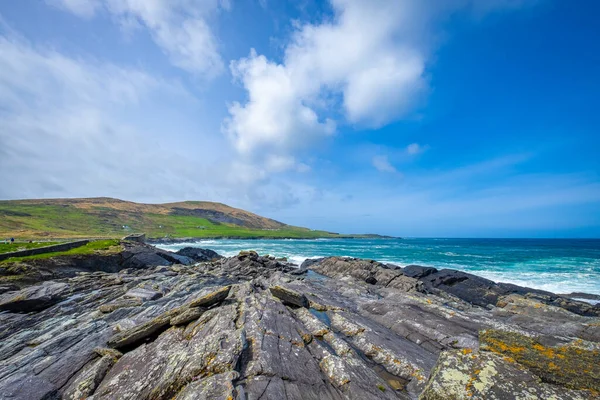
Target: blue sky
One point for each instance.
(464, 118)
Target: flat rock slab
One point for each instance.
(289, 296)
(34, 298)
(212, 298)
(189, 315)
(569, 365)
(461, 374)
(139, 333)
(143, 294)
(115, 305)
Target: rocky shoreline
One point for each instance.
(167, 240)
(150, 324)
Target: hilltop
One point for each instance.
(107, 217)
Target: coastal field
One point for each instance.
(112, 218)
(9, 247)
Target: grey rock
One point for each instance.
(143, 294)
(199, 255)
(89, 379)
(400, 337)
(138, 333)
(189, 315)
(34, 298)
(460, 374)
(212, 298)
(289, 296)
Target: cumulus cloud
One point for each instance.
(179, 27)
(372, 55)
(383, 164)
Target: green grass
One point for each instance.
(65, 221)
(189, 226)
(53, 221)
(7, 248)
(89, 248)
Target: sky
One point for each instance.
(429, 118)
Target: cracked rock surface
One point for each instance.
(252, 327)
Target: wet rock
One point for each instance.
(483, 292)
(212, 298)
(199, 255)
(34, 298)
(418, 271)
(288, 296)
(309, 262)
(465, 375)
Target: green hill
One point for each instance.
(111, 218)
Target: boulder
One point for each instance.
(288, 296)
(199, 255)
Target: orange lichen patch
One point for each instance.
(429, 301)
(494, 345)
(546, 351)
(466, 351)
(573, 367)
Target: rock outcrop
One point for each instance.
(254, 327)
(199, 255)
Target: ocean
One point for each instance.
(555, 265)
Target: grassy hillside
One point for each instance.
(112, 218)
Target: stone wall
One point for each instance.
(46, 249)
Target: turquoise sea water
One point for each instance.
(556, 265)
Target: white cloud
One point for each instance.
(383, 164)
(274, 116)
(75, 127)
(179, 27)
(414, 148)
(81, 8)
(371, 55)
